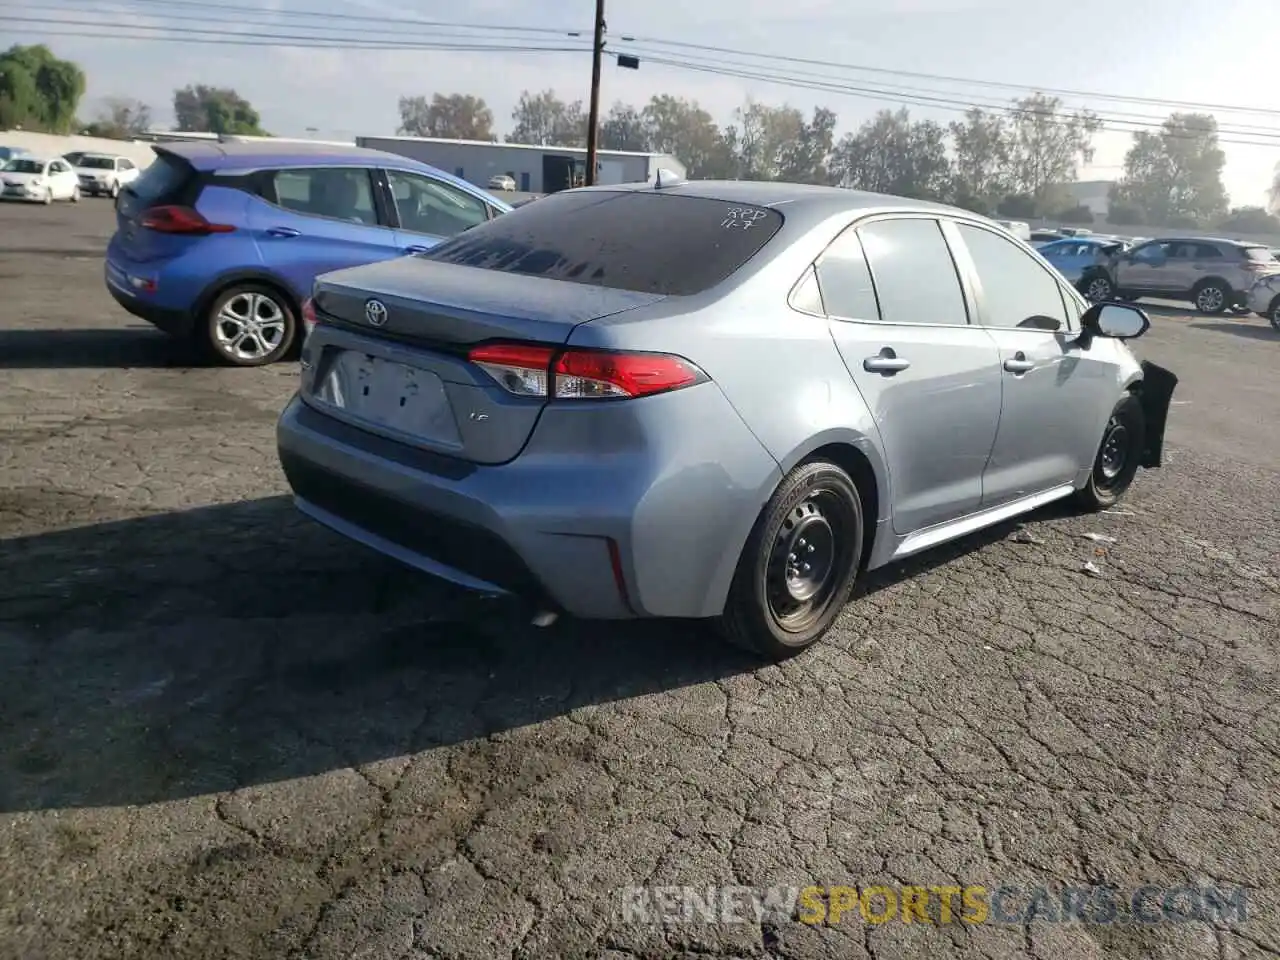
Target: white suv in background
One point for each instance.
(103, 174)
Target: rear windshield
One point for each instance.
(96, 163)
(163, 179)
(25, 166)
(646, 242)
(1258, 254)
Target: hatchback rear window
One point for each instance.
(646, 242)
(1258, 254)
(163, 180)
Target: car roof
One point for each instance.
(807, 203)
(95, 153)
(204, 156)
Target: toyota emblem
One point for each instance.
(375, 311)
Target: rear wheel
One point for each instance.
(1211, 297)
(75, 194)
(1098, 289)
(250, 325)
(799, 564)
(1118, 457)
(1273, 313)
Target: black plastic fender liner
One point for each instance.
(1155, 395)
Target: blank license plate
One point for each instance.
(391, 395)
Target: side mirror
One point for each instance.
(1119, 321)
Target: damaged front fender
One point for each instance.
(1155, 396)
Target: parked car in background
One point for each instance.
(1264, 298)
(743, 398)
(102, 174)
(1072, 256)
(1018, 228)
(8, 153)
(1039, 237)
(74, 156)
(39, 180)
(502, 182)
(220, 242)
(1215, 275)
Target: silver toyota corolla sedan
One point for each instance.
(704, 399)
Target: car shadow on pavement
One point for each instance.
(1251, 331)
(197, 652)
(92, 349)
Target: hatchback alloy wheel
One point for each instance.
(1211, 299)
(250, 326)
(1098, 290)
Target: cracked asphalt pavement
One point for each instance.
(225, 732)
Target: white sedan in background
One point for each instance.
(102, 174)
(39, 180)
(502, 181)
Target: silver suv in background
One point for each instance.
(1215, 275)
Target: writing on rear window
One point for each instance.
(743, 218)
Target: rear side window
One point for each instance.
(915, 278)
(339, 193)
(647, 242)
(845, 280)
(163, 181)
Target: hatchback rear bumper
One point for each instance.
(610, 534)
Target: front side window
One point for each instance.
(915, 278)
(338, 193)
(1017, 293)
(430, 207)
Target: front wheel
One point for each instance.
(75, 194)
(1116, 462)
(1273, 313)
(250, 325)
(799, 564)
(115, 190)
(48, 197)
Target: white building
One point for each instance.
(535, 169)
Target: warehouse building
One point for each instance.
(535, 169)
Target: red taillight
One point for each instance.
(531, 370)
(309, 313)
(180, 220)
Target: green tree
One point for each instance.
(685, 130)
(981, 146)
(204, 109)
(120, 119)
(778, 143)
(458, 116)
(38, 91)
(624, 129)
(891, 153)
(1046, 147)
(1250, 220)
(1174, 176)
(545, 119)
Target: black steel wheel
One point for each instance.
(799, 565)
(1119, 455)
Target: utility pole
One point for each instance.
(593, 120)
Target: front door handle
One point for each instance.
(283, 232)
(416, 250)
(1019, 363)
(886, 362)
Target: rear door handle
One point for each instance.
(283, 232)
(1019, 363)
(416, 249)
(887, 362)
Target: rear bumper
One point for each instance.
(179, 323)
(613, 534)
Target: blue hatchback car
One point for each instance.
(220, 242)
(1072, 256)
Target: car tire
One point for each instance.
(48, 196)
(249, 325)
(1211, 297)
(778, 606)
(75, 194)
(1098, 289)
(1273, 313)
(1118, 457)
(114, 191)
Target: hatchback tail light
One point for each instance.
(533, 370)
(182, 220)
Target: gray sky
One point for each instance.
(1196, 50)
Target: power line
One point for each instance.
(217, 9)
(939, 103)
(1055, 91)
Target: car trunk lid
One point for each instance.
(395, 361)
